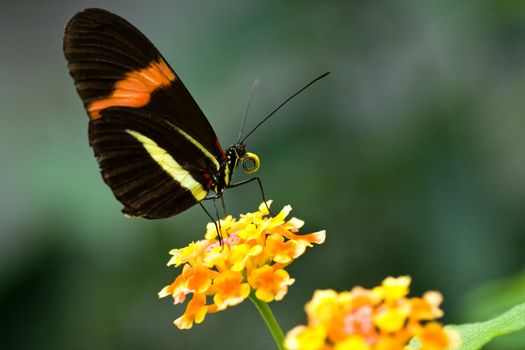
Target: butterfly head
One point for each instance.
(250, 161)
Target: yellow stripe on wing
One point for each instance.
(204, 151)
(170, 165)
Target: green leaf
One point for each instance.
(475, 335)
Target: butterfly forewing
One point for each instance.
(155, 148)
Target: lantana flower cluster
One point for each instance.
(382, 318)
(250, 257)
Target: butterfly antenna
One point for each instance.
(254, 86)
(283, 103)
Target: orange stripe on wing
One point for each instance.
(135, 89)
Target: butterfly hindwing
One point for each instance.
(138, 158)
(155, 148)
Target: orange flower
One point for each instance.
(383, 318)
(433, 337)
(283, 251)
(230, 289)
(195, 312)
(269, 283)
(426, 308)
(254, 252)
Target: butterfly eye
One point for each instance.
(250, 163)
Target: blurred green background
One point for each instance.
(410, 154)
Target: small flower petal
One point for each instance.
(323, 307)
(241, 255)
(195, 312)
(305, 338)
(197, 279)
(281, 251)
(225, 226)
(177, 290)
(229, 289)
(433, 337)
(391, 319)
(355, 342)
(191, 253)
(395, 288)
(426, 308)
(269, 284)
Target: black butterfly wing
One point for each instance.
(156, 149)
(142, 158)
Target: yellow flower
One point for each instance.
(394, 288)
(243, 254)
(383, 318)
(255, 250)
(306, 338)
(391, 319)
(323, 308)
(186, 254)
(354, 342)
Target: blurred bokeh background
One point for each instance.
(410, 154)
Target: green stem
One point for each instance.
(269, 318)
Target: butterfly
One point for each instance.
(155, 148)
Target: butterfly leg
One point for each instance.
(255, 178)
(217, 227)
(223, 205)
(218, 220)
(217, 196)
